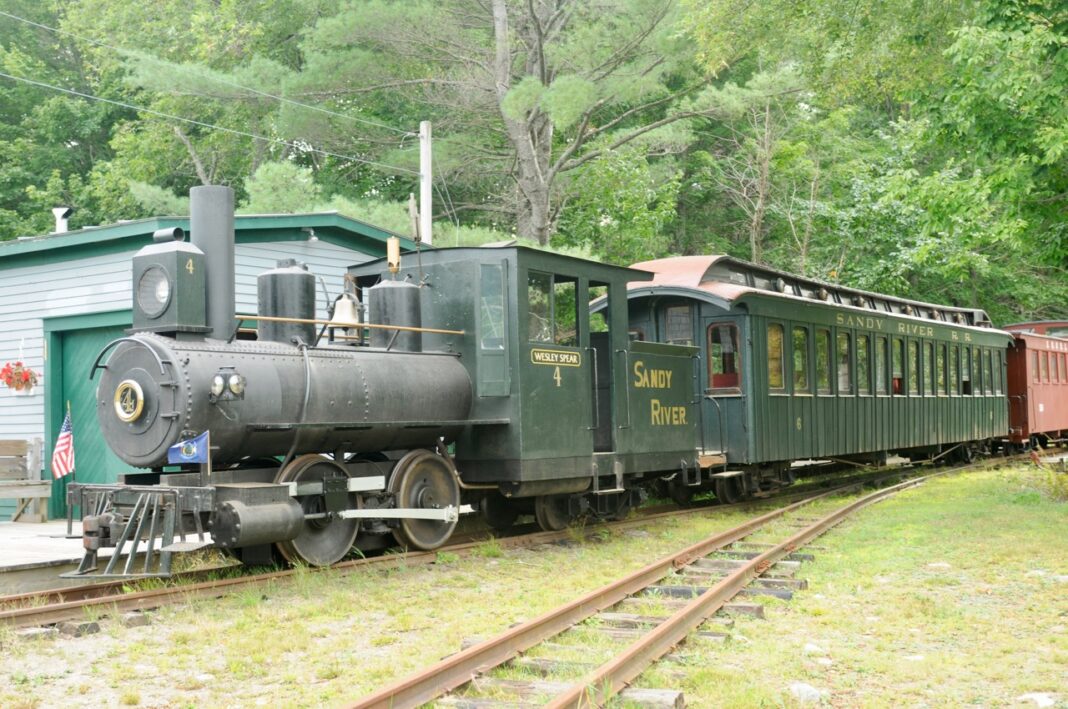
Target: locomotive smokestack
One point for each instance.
(211, 221)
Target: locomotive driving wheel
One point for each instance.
(424, 480)
(326, 540)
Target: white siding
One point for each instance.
(27, 295)
(102, 283)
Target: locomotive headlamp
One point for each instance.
(227, 384)
(236, 384)
(154, 291)
(218, 385)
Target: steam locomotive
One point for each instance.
(514, 381)
(369, 428)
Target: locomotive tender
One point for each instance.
(322, 443)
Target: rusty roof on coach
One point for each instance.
(728, 279)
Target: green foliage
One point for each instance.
(918, 147)
(623, 209)
(279, 188)
(568, 98)
(157, 200)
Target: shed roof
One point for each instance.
(131, 235)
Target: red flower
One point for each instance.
(18, 376)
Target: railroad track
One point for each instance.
(64, 603)
(114, 597)
(696, 582)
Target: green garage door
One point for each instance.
(75, 350)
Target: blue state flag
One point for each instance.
(195, 450)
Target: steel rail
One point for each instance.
(598, 686)
(458, 669)
(20, 611)
(114, 588)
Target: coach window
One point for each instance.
(775, 358)
(928, 370)
(914, 368)
(823, 360)
(863, 366)
(1063, 368)
(954, 358)
(966, 371)
(940, 366)
(988, 372)
(898, 366)
(1034, 366)
(845, 381)
(678, 325)
(800, 359)
(880, 365)
(977, 373)
(999, 372)
(1043, 362)
(724, 371)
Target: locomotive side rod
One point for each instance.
(372, 326)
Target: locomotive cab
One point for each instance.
(567, 416)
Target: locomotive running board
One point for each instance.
(362, 425)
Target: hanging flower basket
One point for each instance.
(19, 377)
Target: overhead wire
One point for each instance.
(446, 197)
(220, 80)
(211, 126)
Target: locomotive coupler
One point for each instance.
(101, 531)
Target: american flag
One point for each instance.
(63, 453)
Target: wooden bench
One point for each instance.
(20, 479)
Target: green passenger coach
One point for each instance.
(795, 369)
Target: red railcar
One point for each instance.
(1038, 388)
(1053, 328)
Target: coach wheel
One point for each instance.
(680, 493)
(321, 541)
(498, 511)
(424, 480)
(728, 490)
(551, 512)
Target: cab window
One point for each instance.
(552, 309)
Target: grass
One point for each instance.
(948, 595)
(986, 629)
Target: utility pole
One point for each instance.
(426, 183)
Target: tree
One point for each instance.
(522, 93)
(624, 210)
